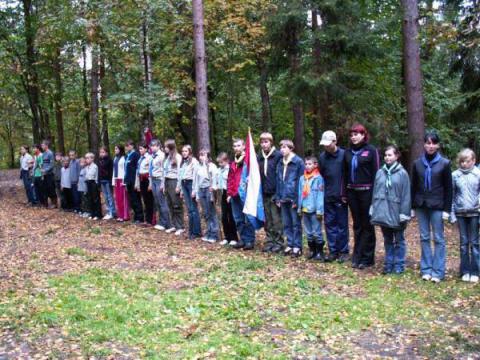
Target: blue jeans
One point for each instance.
(336, 227)
(395, 250)
(292, 225)
(161, 204)
(244, 227)
(76, 197)
(107, 192)
(313, 228)
(194, 227)
(29, 189)
(469, 247)
(432, 263)
(209, 213)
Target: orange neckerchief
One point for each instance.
(306, 186)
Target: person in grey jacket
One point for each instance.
(465, 211)
(390, 209)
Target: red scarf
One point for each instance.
(306, 185)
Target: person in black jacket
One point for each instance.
(362, 162)
(336, 209)
(105, 173)
(131, 164)
(432, 201)
(268, 160)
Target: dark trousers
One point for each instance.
(28, 185)
(49, 187)
(469, 245)
(76, 197)
(135, 203)
(94, 203)
(364, 232)
(175, 204)
(84, 202)
(228, 222)
(273, 222)
(147, 198)
(38, 184)
(336, 227)
(67, 199)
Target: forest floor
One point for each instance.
(74, 288)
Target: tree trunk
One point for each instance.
(103, 96)
(297, 107)
(413, 79)
(94, 84)
(58, 99)
(203, 131)
(147, 75)
(86, 105)
(265, 96)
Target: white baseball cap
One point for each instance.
(328, 137)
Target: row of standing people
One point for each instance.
(295, 191)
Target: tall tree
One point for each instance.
(147, 72)
(201, 92)
(94, 100)
(58, 96)
(413, 79)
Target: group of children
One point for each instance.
(299, 196)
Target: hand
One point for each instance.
(177, 190)
(278, 203)
(162, 190)
(344, 199)
(228, 199)
(320, 217)
(294, 206)
(210, 189)
(181, 195)
(445, 215)
(149, 188)
(412, 213)
(194, 195)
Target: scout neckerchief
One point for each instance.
(353, 170)
(428, 169)
(286, 161)
(389, 170)
(266, 156)
(308, 176)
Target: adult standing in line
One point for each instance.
(131, 165)
(336, 209)
(268, 160)
(26, 165)
(48, 161)
(432, 192)
(362, 162)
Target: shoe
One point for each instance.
(320, 256)
(466, 277)
(426, 277)
(248, 247)
(108, 217)
(224, 242)
(276, 249)
(361, 266)
(211, 240)
(95, 218)
(179, 232)
(343, 258)
(120, 220)
(435, 280)
(159, 227)
(387, 271)
(355, 265)
(313, 251)
(233, 243)
(205, 239)
(331, 258)
(239, 245)
(398, 271)
(137, 222)
(267, 248)
(90, 217)
(171, 230)
(296, 252)
(474, 279)
(287, 251)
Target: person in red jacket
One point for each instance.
(244, 227)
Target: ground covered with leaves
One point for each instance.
(73, 288)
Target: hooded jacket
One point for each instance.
(287, 186)
(313, 202)
(466, 192)
(391, 206)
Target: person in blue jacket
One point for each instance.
(131, 164)
(310, 207)
(289, 171)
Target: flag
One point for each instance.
(250, 189)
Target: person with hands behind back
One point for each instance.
(390, 209)
(432, 202)
(310, 207)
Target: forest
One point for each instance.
(85, 73)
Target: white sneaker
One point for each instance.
(233, 243)
(168, 231)
(427, 277)
(204, 239)
(466, 277)
(474, 279)
(435, 280)
(211, 241)
(224, 242)
(159, 227)
(179, 232)
(95, 218)
(108, 217)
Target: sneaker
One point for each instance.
(224, 242)
(426, 277)
(296, 252)
(179, 232)
(159, 227)
(466, 277)
(474, 279)
(435, 280)
(211, 241)
(287, 251)
(94, 218)
(232, 243)
(90, 217)
(171, 230)
(205, 239)
(108, 217)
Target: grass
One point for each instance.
(234, 308)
